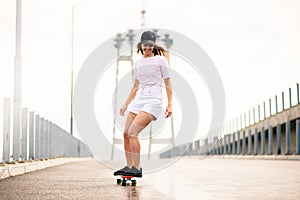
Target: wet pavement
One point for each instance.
(188, 178)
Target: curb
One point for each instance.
(257, 157)
(9, 170)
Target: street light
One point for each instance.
(72, 65)
(168, 41)
(130, 35)
(157, 36)
(119, 41)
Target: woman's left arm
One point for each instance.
(169, 95)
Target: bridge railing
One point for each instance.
(273, 106)
(39, 139)
(271, 129)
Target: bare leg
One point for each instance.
(141, 120)
(129, 120)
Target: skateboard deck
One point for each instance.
(126, 180)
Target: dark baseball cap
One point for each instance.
(148, 37)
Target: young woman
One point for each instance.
(145, 99)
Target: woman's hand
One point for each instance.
(122, 110)
(168, 111)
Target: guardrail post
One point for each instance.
(278, 133)
(225, 145)
(259, 113)
(249, 142)
(255, 141)
(31, 135)
(244, 143)
(276, 104)
(78, 148)
(55, 141)
(238, 143)
(197, 146)
(233, 143)
(42, 138)
(71, 146)
(270, 107)
(282, 95)
(213, 150)
(298, 136)
(264, 110)
(229, 143)
(298, 99)
(220, 145)
(16, 132)
(254, 119)
(270, 134)
(263, 144)
(46, 139)
(290, 96)
(206, 146)
(50, 139)
(288, 137)
(37, 137)
(24, 133)
(61, 141)
(6, 130)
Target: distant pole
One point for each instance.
(290, 96)
(17, 83)
(72, 74)
(276, 103)
(259, 113)
(298, 93)
(143, 15)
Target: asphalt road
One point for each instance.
(188, 178)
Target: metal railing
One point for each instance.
(254, 132)
(39, 139)
(267, 109)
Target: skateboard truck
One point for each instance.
(126, 180)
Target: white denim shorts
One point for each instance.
(145, 101)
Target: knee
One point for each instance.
(132, 133)
(126, 136)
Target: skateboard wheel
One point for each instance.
(119, 181)
(123, 183)
(133, 182)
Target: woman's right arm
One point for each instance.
(131, 96)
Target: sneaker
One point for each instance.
(122, 171)
(134, 172)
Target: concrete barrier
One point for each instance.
(9, 170)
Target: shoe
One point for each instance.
(134, 172)
(122, 171)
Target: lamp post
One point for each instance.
(130, 35)
(156, 33)
(119, 40)
(168, 43)
(72, 64)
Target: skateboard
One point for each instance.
(126, 180)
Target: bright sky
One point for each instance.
(254, 44)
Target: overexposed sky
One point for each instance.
(254, 44)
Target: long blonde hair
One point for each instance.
(157, 50)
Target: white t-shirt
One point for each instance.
(150, 71)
